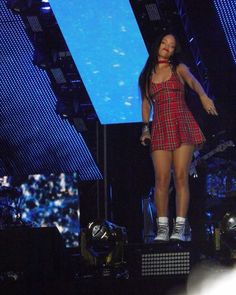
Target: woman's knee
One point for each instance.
(181, 178)
(162, 182)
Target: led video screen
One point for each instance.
(109, 52)
(42, 200)
(53, 200)
(226, 11)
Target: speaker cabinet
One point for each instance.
(32, 253)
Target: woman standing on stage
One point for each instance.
(174, 134)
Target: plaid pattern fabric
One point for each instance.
(173, 124)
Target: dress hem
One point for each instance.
(197, 146)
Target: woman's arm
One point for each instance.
(193, 83)
(146, 109)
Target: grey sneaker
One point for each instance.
(162, 232)
(181, 232)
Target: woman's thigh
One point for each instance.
(182, 158)
(162, 161)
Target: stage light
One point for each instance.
(176, 263)
(58, 75)
(45, 9)
(34, 23)
(228, 236)
(18, 5)
(68, 105)
(25, 6)
(102, 243)
(153, 12)
(228, 223)
(63, 109)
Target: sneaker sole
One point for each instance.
(184, 240)
(161, 241)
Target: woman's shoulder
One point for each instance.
(182, 70)
(182, 67)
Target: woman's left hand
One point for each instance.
(208, 105)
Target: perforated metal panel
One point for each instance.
(159, 259)
(175, 263)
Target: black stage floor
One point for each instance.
(75, 279)
(170, 286)
(34, 261)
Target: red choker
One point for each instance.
(163, 61)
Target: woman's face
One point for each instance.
(167, 47)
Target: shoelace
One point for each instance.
(162, 228)
(179, 227)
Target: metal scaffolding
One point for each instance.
(193, 45)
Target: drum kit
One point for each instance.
(220, 176)
(219, 196)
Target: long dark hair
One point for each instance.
(152, 61)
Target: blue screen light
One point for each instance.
(109, 52)
(227, 14)
(34, 139)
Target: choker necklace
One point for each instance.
(163, 61)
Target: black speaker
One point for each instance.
(32, 253)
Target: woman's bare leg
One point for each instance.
(162, 161)
(181, 162)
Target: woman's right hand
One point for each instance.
(208, 105)
(145, 138)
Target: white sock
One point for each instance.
(164, 220)
(180, 219)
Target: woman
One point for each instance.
(175, 133)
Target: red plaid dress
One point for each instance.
(173, 124)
